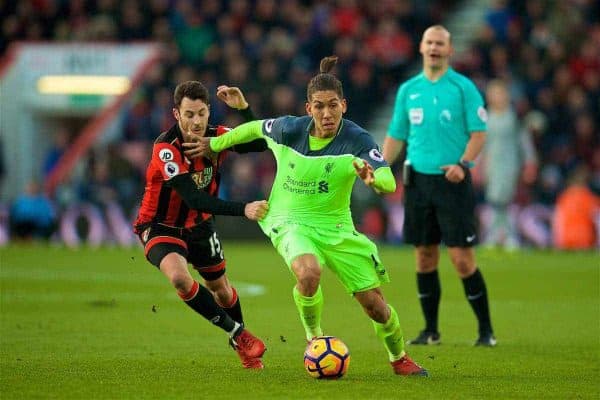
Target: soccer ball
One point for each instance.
(326, 357)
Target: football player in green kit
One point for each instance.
(309, 221)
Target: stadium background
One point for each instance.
(88, 151)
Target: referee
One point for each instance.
(439, 114)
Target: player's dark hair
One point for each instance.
(193, 90)
(325, 80)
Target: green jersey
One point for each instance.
(436, 119)
(313, 187)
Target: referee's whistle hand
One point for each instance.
(454, 172)
(256, 210)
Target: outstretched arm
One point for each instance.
(249, 134)
(242, 134)
(202, 201)
(234, 98)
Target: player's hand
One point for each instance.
(454, 172)
(365, 172)
(256, 210)
(232, 96)
(199, 147)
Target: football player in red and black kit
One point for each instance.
(176, 224)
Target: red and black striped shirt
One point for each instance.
(161, 203)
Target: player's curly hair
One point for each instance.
(193, 90)
(325, 80)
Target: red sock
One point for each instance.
(234, 308)
(191, 294)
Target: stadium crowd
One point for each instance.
(547, 52)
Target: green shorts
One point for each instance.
(351, 256)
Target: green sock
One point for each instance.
(391, 335)
(310, 312)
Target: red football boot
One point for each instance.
(406, 366)
(249, 348)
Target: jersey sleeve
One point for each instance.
(276, 128)
(244, 133)
(368, 150)
(167, 159)
(399, 125)
(475, 112)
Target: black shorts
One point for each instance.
(437, 210)
(199, 245)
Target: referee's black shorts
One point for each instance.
(437, 210)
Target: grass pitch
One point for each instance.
(104, 324)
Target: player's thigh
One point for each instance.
(455, 209)
(421, 226)
(354, 259)
(159, 241)
(175, 267)
(206, 252)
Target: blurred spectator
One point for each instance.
(576, 216)
(60, 142)
(586, 138)
(32, 214)
(242, 172)
(2, 163)
(595, 172)
(161, 115)
(390, 45)
(133, 25)
(98, 187)
(346, 17)
(138, 120)
(125, 177)
(499, 18)
(194, 37)
(549, 55)
(508, 154)
(358, 88)
(586, 60)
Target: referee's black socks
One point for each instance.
(476, 293)
(428, 285)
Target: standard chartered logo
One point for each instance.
(299, 186)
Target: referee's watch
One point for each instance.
(466, 165)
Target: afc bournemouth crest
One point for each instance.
(203, 178)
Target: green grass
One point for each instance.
(80, 324)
